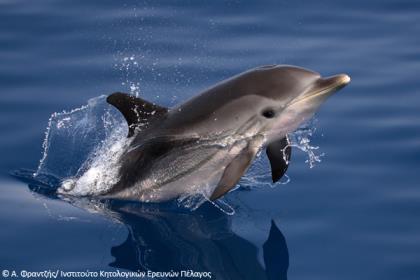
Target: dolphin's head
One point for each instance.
(290, 96)
(270, 101)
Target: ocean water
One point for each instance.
(353, 215)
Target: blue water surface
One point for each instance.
(355, 215)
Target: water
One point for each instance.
(354, 215)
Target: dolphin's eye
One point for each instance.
(268, 113)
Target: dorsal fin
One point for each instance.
(135, 110)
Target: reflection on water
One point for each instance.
(276, 254)
(163, 237)
(161, 240)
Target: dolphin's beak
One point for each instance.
(324, 87)
(333, 83)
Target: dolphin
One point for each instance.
(204, 145)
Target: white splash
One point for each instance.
(57, 121)
(301, 139)
(130, 67)
(194, 201)
(82, 147)
(259, 174)
(100, 171)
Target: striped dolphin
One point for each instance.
(207, 143)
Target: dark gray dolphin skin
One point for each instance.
(207, 143)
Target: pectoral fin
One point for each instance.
(135, 110)
(233, 173)
(279, 154)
